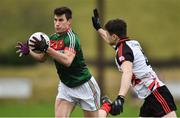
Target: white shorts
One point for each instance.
(86, 95)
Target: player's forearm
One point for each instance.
(125, 83)
(60, 57)
(39, 57)
(126, 77)
(104, 35)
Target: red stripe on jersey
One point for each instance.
(151, 85)
(120, 50)
(70, 49)
(134, 80)
(162, 101)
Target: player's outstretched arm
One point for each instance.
(41, 57)
(23, 50)
(97, 25)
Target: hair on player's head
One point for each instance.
(63, 10)
(117, 26)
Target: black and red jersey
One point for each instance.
(144, 79)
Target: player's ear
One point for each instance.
(70, 21)
(114, 36)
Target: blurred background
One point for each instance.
(29, 88)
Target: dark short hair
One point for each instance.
(116, 26)
(63, 10)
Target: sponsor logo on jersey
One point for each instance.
(57, 44)
(121, 58)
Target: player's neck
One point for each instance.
(61, 33)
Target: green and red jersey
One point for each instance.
(77, 73)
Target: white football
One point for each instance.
(38, 36)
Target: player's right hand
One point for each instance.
(117, 106)
(39, 45)
(22, 48)
(96, 20)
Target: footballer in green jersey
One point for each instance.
(77, 86)
(77, 73)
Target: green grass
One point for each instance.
(27, 110)
(47, 110)
(44, 82)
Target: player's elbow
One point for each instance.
(128, 72)
(68, 63)
(42, 60)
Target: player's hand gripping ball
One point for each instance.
(38, 42)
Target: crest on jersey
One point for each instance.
(121, 58)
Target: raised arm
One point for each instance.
(97, 25)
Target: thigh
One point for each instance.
(145, 110)
(90, 96)
(89, 114)
(170, 115)
(64, 92)
(64, 103)
(63, 108)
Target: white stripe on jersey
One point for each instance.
(72, 40)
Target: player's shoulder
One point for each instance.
(72, 34)
(53, 36)
(132, 42)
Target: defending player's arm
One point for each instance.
(117, 105)
(126, 67)
(97, 25)
(124, 59)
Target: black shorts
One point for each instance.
(158, 103)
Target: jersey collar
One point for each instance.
(121, 41)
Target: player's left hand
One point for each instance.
(22, 48)
(117, 105)
(96, 20)
(39, 45)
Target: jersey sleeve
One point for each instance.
(124, 53)
(70, 42)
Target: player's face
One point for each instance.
(61, 24)
(112, 38)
